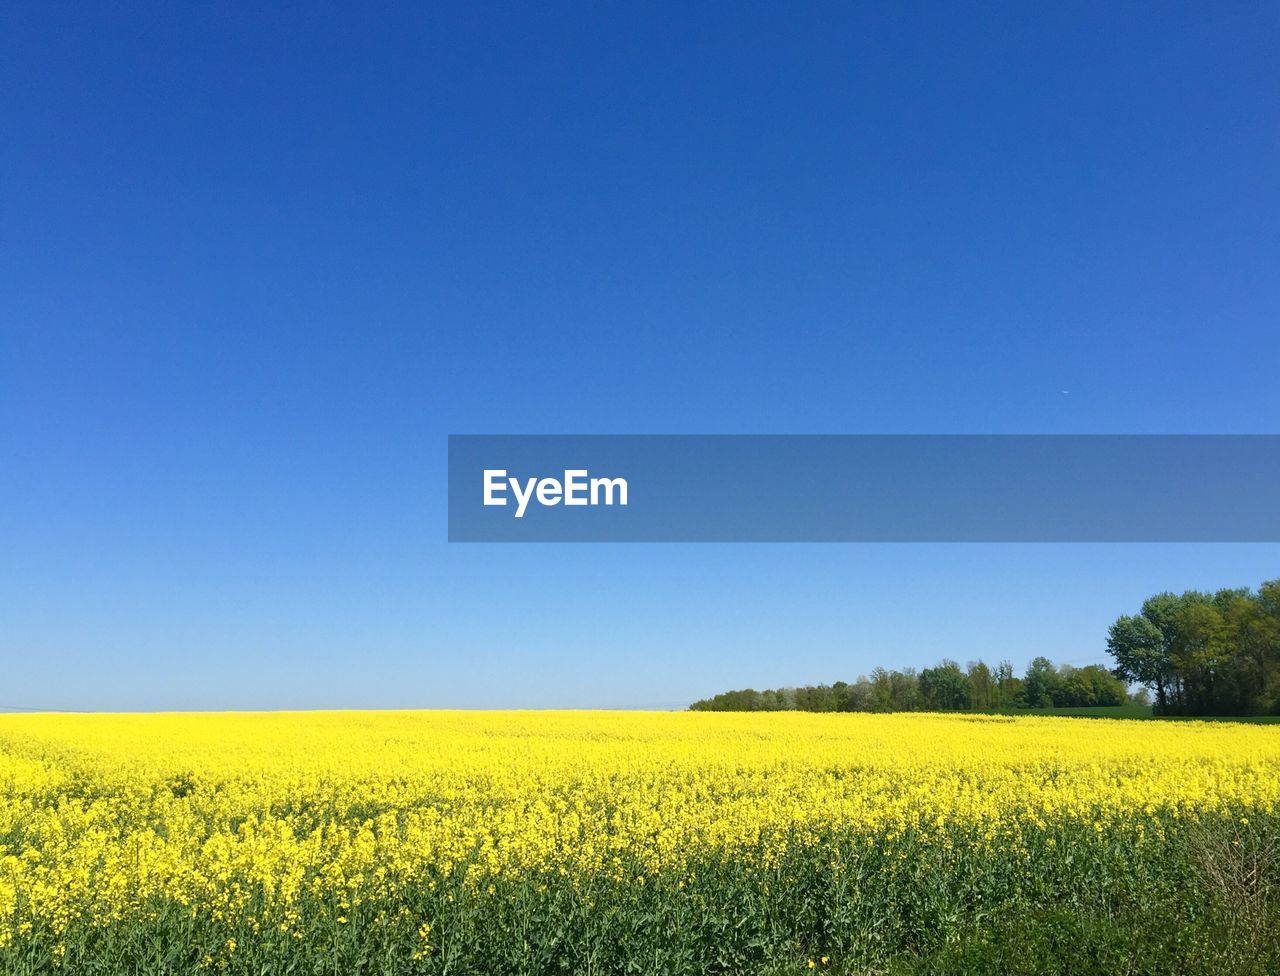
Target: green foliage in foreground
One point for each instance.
(1157, 939)
(1064, 898)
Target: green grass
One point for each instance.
(1157, 939)
(1140, 712)
(1107, 711)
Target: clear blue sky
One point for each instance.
(256, 265)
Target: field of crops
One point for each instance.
(526, 842)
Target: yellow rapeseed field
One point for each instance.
(425, 834)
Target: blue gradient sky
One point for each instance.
(256, 265)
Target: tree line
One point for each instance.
(1197, 653)
(947, 687)
(1202, 653)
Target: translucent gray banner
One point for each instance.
(864, 488)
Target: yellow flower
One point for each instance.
(283, 818)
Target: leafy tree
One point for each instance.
(1010, 690)
(1138, 647)
(859, 696)
(982, 685)
(1040, 683)
(1092, 686)
(945, 688)
(1204, 654)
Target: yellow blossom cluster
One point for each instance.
(249, 815)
